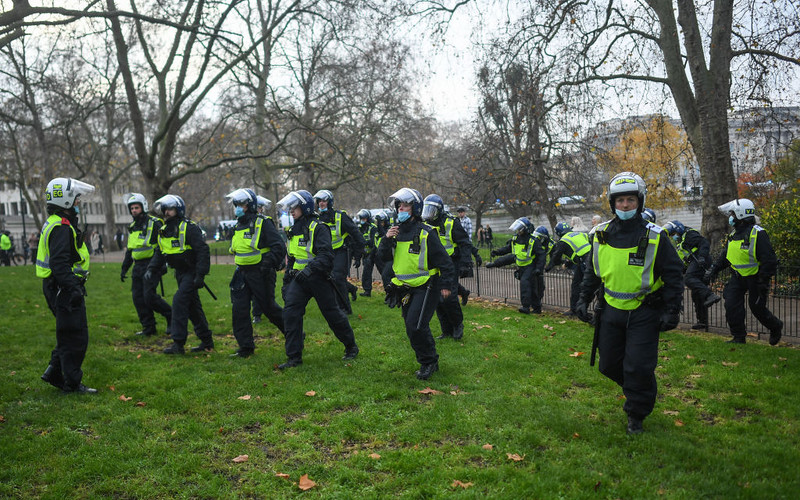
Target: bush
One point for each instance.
(782, 221)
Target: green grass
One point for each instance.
(511, 383)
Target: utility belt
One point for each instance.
(655, 300)
(397, 294)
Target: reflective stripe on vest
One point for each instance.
(411, 269)
(742, 254)
(244, 246)
(173, 245)
(578, 242)
(627, 279)
(337, 240)
(522, 252)
(447, 236)
(139, 243)
(79, 268)
(303, 252)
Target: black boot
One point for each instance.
(81, 389)
(350, 353)
(444, 336)
(712, 299)
(465, 297)
(425, 371)
(366, 293)
(53, 377)
(635, 425)
(291, 363)
(458, 332)
(736, 340)
(205, 345)
(240, 353)
(524, 310)
(775, 335)
(175, 348)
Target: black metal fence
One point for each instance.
(784, 301)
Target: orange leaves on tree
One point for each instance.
(240, 459)
(457, 483)
(305, 483)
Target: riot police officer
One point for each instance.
(342, 228)
(182, 247)
(264, 209)
(422, 274)
(307, 275)
(639, 277)
(258, 250)
(142, 240)
(527, 251)
(457, 245)
(694, 249)
(649, 215)
(62, 261)
(571, 249)
(372, 239)
(748, 252)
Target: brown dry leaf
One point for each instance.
(428, 390)
(689, 356)
(456, 483)
(781, 359)
(138, 356)
(507, 318)
(123, 398)
(487, 446)
(576, 354)
(679, 423)
(730, 363)
(311, 393)
(246, 397)
(360, 317)
(576, 436)
(112, 388)
(305, 483)
(281, 474)
(672, 413)
(2, 419)
(515, 457)
(240, 459)
(141, 403)
(13, 373)
(221, 430)
(495, 355)
(374, 455)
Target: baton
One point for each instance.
(338, 292)
(478, 278)
(161, 282)
(424, 303)
(209, 291)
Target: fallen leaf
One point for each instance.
(246, 397)
(2, 418)
(576, 354)
(495, 355)
(456, 483)
(576, 436)
(241, 458)
(428, 390)
(138, 356)
(141, 403)
(507, 318)
(221, 430)
(305, 483)
(112, 388)
(730, 363)
(689, 356)
(374, 455)
(781, 359)
(487, 446)
(672, 413)
(123, 398)
(281, 474)
(515, 457)
(311, 393)
(13, 373)
(360, 317)
(679, 423)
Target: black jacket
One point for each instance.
(323, 252)
(354, 240)
(196, 260)
(269, 238)
(767, 260)
(63, 253)
(140, 224)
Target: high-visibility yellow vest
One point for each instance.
(446, 236)
(410, 263)
(742, 253)
(579, 243)
(337, 238)
(174, 245)
(627, 276)
(5, 242)
(301, 247)
(365, 233)
(244, 244)
(139, 241)
(522, 251)
(79, 268)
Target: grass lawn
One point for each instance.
(518, 413)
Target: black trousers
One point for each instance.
(735, 312)
(341, 268)
(421, 338)
(257, 284)
(145, 298)
(531, 289)
(295, 298)
(575, 287)
(448, 311)
(628, 346)
(367, 263)
(72, 335)
(693, 278)
(186, 306)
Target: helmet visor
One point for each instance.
(430, 210)
(290, 201)
(517, 226)
(404, 195)
(80, 188)
(238, 197)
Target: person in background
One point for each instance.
(372, 238)
(33, 243)
(5, 248)
(578, 225)
(571, 249)
(526, 250)
(596, 219)
(488, 236)
(649, 215)
(465, 221)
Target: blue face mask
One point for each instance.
(731, 220)
(238, 211)
(625, 214)
(677, 238)
(77, 210)
(403, 216)
(323, 210)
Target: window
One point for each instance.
(14, 208)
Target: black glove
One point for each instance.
(537, 272)
(148, 275)
(669, 320)
(494, 253)
(582, 311)
(517, 274)
(548, 268)
(478, 260)
(710, 275)
(199, 282)
(356, 263)
(75, 297)
(763, 288)
(303, 275)
(122, 277)
(490, 265)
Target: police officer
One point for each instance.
(342, 228)
(649, 215)
(639, 277)
(182, 247)
(264, 209)
(258, 250)
(62, 261)
(571, 250)
(5, 248)
(457, 245)
(372, 238)
(694, 249)
(423, 274)
(748, 252)
(142, 240)
(526, 251)
(308, 275)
